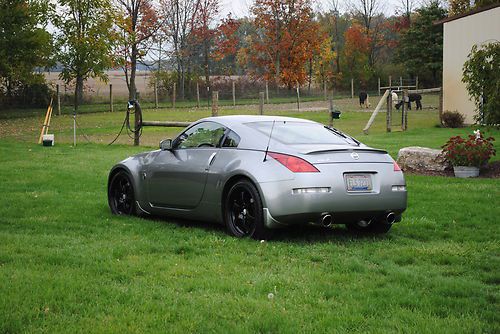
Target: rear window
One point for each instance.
(292, 133)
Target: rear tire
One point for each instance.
(243, 213)
(121, 196)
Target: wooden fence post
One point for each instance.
(156, 93)
(137, 121)
(441, 106)
(298, 96)
(234, 94)
(389, 112)
(174, 93)
(390, 81)
(416, 82)
(401, 81)
(197, 95)
(110, 97)
(325, 94)
(58, 100)
(379, 86)
(215, 104)
(331, 110)
(267, 92)
(261, 103)
(352, 88)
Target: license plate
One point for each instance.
(358, 182)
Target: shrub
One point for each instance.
(480, 74)
(473, 151)
(452, 119)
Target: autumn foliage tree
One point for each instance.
(137, 23)
(204, 32)
(285, 38)
(356, 52)
(226, 39)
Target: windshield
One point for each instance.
(296, 133)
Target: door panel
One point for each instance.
(176, 179)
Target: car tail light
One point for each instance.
(295, 164)
(396, 167)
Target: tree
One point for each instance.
(481, 74)
(178, 16)
(204, 32)
(226, 41)
(356, 53)
(285, 39)
(367, 11)
(85, 41)
(24, 43)
(137, 24)
(459, 7)
(324, 63)
(421, 46)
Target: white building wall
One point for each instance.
(459, 37)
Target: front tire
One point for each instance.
(243, 213)
(121, 198)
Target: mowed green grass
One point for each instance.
(68, 265)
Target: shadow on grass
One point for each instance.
(307, 233)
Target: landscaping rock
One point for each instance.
(422, 159)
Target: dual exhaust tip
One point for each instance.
(327, 219)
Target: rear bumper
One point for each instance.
(284, 206)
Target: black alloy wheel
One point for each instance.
(243, 212)
(121, 197)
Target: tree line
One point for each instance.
(284, 42)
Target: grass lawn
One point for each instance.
(68, 265)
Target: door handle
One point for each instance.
(211, 160)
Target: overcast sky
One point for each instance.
(240, 8)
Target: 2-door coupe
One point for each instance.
(258, 173)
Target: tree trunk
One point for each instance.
(133, 68)
(207, 65)
(78, 91)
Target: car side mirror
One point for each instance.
(166, 145)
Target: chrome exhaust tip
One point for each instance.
(390, 218)
(327, 220)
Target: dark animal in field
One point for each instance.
(417, 98)
(363, 100)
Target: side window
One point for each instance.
(231, 140)
(206, 134)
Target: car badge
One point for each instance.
(354, 155)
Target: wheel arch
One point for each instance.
(231, 181)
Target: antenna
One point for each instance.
(269, 141)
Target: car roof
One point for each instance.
(235, 120)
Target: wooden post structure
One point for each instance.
(137, 120)
(46, 122)
(267, 92)
(401, 81)
(331, 110)
(261, 103)
(197, 95)
(378, 86)
(441, 106)
(390, 81)
(325, 93)
(58, 100)
(403, 109)
(215, 104)
(388, 118)
(234, 94)
(110, 97)
(174, 93)
(156, 93)
(298, 96)
(352, 88)
(416, 82)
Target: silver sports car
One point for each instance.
(258, 173)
